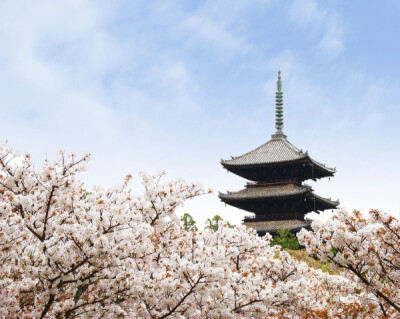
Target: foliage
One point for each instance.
(368, 250)
(285, 239)
(116, 255)
(302, 255)
(189, 224)
(214, 222)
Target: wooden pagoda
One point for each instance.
(276, 194)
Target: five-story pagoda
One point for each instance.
(277, 195)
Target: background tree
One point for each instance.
(285, 239)
(188, 223)
(213, 223)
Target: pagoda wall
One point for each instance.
(300, 170)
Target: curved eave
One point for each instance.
(276, 150)
(228, 163)
(236, 196)
(306, 159)
(329, 171)
(307, 191)
(326, 201)
(231, 197)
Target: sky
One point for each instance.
(178, 85)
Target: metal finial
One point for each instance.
(279, 105)
(279, 83)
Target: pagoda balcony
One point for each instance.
(275, 217)
(274, 182)
(255, 218)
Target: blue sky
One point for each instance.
(177, 85)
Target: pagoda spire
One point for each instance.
(279, 109)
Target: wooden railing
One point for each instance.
(275, 182)
(255, 218)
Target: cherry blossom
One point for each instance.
(70, 252)
(367, 249)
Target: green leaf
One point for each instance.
(285, 239)
(188, 223)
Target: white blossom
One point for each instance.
(67, 252)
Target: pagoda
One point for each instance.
(276, 193)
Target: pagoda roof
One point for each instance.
(268, 191)
(286, 190)
(273, 226)
(276, 151)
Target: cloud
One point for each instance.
(214, 33)
(54, 52)
(324, 23)
(331, 43)
(72, 79)
(177, 85)
(306, 13)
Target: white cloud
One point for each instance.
(174, 81)
(218, 24)
(324, 23)
(306, 13)
(138, 99)
(331, 43)
(214, 33)
(36, 41)
(69, 82)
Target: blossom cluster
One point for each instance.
(366, 249)
(66, 252)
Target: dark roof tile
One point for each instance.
(268, 191)
(250, 193)
(276, 150)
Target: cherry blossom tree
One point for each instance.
(66, 252)
(368, 249)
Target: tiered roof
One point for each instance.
(262, 192)
(278, 150)
(273, 226)
(282, 191)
